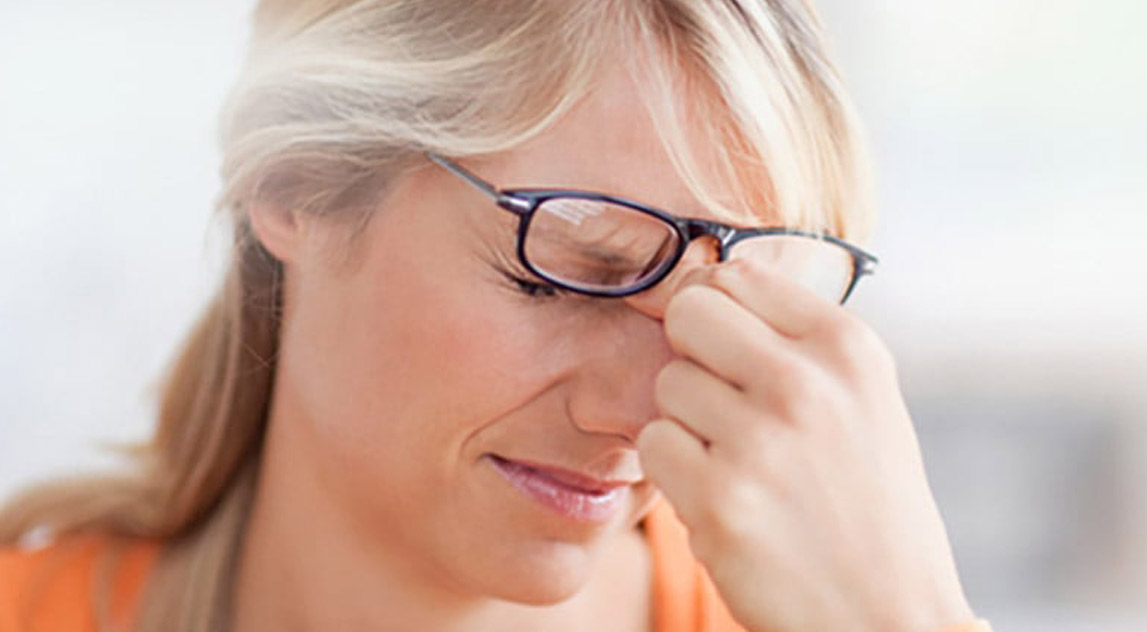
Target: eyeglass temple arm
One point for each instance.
(458, 170)
(505, 200)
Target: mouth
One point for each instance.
(574, 495)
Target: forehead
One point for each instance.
(608, 143)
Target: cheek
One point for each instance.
(399, 370)
(471, 356)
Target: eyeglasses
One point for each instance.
(606, 246)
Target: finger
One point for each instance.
(706, 404)
(734, 426)
(709, 327)
(790, 308)
(674, 460)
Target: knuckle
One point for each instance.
(834, 326)
(801, 393)
(841, 329)
(787, 380)
(858, 344)
(761, 360)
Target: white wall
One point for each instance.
(1011, 143)
(107, 176)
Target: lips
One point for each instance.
(569, 478)
(572, 494)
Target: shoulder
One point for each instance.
(684, 598)
(63, 586)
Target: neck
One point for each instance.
(302, 569)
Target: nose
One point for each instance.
(626, 350)
(620, 357)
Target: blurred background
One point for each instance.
(1010, 139)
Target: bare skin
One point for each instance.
(771, 420)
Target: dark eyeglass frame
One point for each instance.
(524, 202)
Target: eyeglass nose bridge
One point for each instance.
(722, 233)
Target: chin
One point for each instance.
(540, 574)
(527, 556)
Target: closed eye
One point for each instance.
(535, 289)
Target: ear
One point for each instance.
(280, 230)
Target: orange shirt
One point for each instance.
(55, 589)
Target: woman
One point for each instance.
(466, 374)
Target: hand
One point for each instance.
(787, 451)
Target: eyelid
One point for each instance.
(522, 279)
(536, 290)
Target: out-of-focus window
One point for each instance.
(1010, 142)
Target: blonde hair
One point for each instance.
(337, 98)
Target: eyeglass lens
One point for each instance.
(821, 266)
(597, 245)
